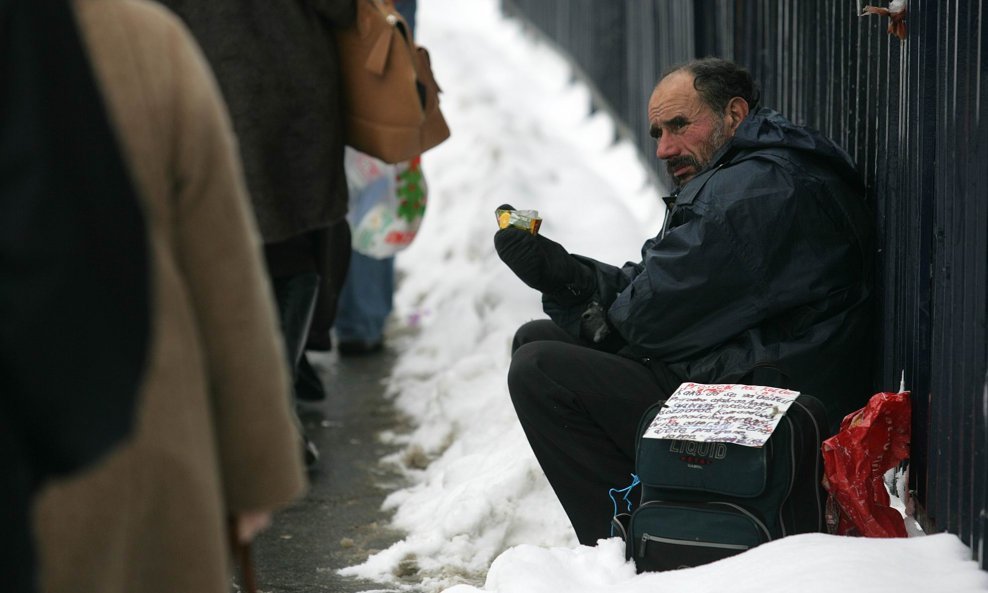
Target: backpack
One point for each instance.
(702, 502)
(390, 98)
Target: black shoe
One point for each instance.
(308, 385)
(360, 347)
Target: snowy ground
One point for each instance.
(479, 514)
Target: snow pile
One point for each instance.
(812, 563)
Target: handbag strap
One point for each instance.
(377, 59)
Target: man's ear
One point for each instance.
(736, 111)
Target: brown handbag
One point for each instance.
(390, 98)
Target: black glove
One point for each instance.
(544, 265)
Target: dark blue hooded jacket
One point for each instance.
(762, 272)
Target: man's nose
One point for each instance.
(665, 148)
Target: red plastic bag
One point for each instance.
(870, 442)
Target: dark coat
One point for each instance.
(278, 70)
(762, 273)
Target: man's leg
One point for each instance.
(580, 409)
(538, 330)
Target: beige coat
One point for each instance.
(214, 433)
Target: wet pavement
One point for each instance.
(339, 522)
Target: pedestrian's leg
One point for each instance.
(295, 281)
(580, 409)
(332, 260)
(292, 267)
(365, 304)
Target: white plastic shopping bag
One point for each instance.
(387, 203)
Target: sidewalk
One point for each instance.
(339, 522)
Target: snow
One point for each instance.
(478, 513)
(811, 563)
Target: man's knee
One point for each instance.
(537, 330)
(527, 373)
(521, 368)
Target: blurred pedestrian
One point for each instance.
(73, 271)
(278, 70)
(213, 436)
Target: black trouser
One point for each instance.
(307, 273)
(324, 251)
(580, 409)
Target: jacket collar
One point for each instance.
(685, 194)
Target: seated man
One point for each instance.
(761, 274)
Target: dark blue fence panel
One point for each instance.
(960, 295)
(913, 116)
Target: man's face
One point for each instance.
(686, 131)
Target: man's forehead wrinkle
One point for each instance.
(670, 103)
(676, 120)
(666, 115)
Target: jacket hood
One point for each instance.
(765, 128)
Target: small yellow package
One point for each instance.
(528, 220)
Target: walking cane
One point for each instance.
(242, 558)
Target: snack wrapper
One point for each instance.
(528, 220)
(870, 442)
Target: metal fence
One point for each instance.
(913, 115)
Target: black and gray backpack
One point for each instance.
(705, 501)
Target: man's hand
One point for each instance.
(251, 523)
(529, 257)
(544, 265)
